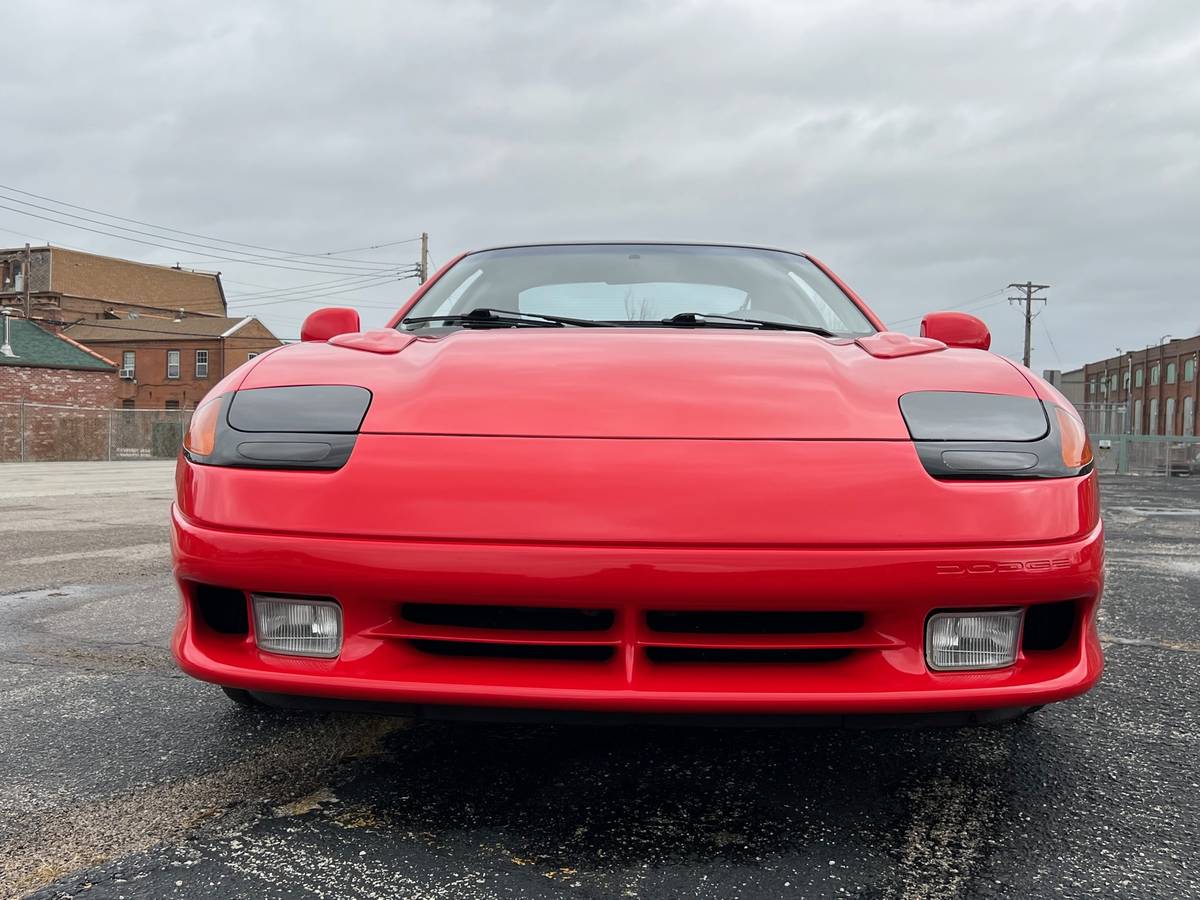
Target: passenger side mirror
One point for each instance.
(956, 329)
(329, 322)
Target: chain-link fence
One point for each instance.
(1119, 451)
(42, 432)
(1104, 418)
(32, 432)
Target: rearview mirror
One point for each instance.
(329, 322)
(956, 329)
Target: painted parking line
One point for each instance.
(131, 553)
(1156, 511)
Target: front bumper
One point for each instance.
(877, 668)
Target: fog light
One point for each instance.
(978, 640)
(297, 627)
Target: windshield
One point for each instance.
(643, 284)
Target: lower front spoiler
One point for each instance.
(895, 589)
(520, 716)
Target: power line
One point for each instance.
(351, 284)
(317, 297)
(327, 268)
(334, 254)
(20, 234)
(1046, 328)
(300, 291)
(161, 335)
(169, 247)
(411, 240)
(303, 288)
(206, 237)
(962, 307)
(279, 295)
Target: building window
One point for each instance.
(1189, 416)
(173, 364)
(1170, 373)
(1154, 374)
(201, 363)
(1152, 428)
(1125, 381)
(1112, 382)
(1137, 417)
(1189, 369)
(1169, 418)
(10, 277)
(126, 404)
(1137, 377)
(171, 404)
(1092, 387)
(250, 356)
(128, 364)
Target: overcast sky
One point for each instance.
(930, 152)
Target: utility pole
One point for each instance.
(25, 283)
(1029, 289)
(1129, 397)
(424, 256)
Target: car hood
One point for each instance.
(639, 383)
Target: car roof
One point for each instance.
(612, 243)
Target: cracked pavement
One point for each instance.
(124, 778)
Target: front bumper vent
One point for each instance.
(657, 637)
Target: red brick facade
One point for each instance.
(1160, 386)
(150, 379)
(34, 427)
(65, 387)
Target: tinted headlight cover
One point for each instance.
(304, 427)
(961, 434)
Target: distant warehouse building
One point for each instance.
(1151, 391)
(170, 363)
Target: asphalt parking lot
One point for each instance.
(124, 778)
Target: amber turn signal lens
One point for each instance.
(201, 435)
(1076, 448)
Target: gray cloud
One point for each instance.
(931, 152)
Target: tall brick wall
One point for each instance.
(52, 434)
(78, 274)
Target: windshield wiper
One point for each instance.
(504, 318)
(691, 318)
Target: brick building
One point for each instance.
(1158, 386)
(69, 285)
(53, 392)
(170, 363)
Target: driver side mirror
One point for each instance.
(956, 329)
(329, 322)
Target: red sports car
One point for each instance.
(640, 478)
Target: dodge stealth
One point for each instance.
(630, 479)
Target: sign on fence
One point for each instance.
(38, 432)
